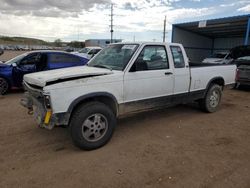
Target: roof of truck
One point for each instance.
(93, 47)
(143, 43)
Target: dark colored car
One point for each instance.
(243, 71)
(240, 51)
(12, 72)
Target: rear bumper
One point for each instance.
(243, 82)
(229, 86)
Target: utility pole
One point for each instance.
(111, 25)
(164, 30)
(77, 33)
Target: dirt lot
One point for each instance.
(176, 147)
(10, 54)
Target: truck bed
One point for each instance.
(201, 74)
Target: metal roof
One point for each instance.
(235, 26)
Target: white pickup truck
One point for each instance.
(123, 78)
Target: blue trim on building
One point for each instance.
(247, 33)
(215, 19)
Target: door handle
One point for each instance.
(168, 73)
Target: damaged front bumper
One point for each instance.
(44, 117)
(38, 106)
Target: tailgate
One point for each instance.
(244, 72)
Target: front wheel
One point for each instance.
(212, 99)
(92, 125)
(4, 86)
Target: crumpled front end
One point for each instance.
(38, 105)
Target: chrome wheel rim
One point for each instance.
(94, 127)
(3, 86)
(214, 99)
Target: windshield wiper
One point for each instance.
(102, 66)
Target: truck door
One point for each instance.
(149, 82)
(181, 71)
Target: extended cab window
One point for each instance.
(152, 58)
(177, 57)
(63, 58)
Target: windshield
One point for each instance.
(16, 59)
(84, 50)
(114, 56)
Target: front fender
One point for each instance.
(91, 96)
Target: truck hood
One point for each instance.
(44, 78)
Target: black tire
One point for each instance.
(236, 86)
(4, 86)
(88, 122)
(212, 99)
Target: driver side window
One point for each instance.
(151, 58)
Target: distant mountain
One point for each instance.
(21, 40)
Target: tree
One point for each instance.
(58, 42)
(76, 44)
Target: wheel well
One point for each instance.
(110, 102)
(220, 81)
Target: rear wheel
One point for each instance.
(4, 86)
(212, 99)
(92, 125)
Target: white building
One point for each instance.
(100, 42)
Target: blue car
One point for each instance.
(12, 71)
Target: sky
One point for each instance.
(139, 20)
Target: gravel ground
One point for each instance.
(175, 147)
(8, 54)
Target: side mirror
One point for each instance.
(14, 65)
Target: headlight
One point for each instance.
(47, 101)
